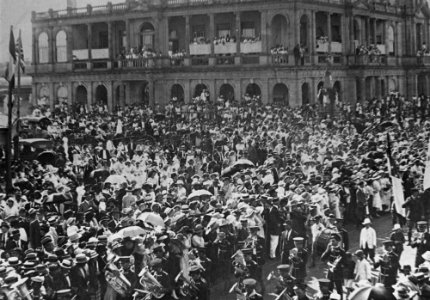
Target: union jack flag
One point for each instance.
(19, 52)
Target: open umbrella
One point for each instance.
(46, 157)
(229, 171)
(199, 193)
(131, 231)
(243, 164)
(372, 292)
(116, 179)
(100, 174)
(151, 218)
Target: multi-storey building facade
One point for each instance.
(227, 47)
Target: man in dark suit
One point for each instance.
(287, 241)
(5, 237)
(79, 277)
(34, 233)
(16, 242)
(274, 227)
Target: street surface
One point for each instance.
(383, 226)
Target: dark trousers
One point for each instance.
(338, 285)
(369, 253)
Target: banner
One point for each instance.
(398, 195)
(426, 182)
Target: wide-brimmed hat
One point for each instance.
(426, 256)
(367, 221)
(66, 264)
(81, 258)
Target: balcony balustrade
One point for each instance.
(100, 53)
(81, 54)
(226, 48)
(251, 47)
(200, 49)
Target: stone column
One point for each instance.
(367, 31)
(110, 41)
(346, 36)
(313, 37)
(374, 32)
(187, 34)
(90, 40)
(70, 93)
(127, 35)
(238, 33)
(212, 31)
(121, 95)
(264, 32)
(51, 45)
(237, 60)
(69, 41)
(52, 95)
(329, 31)
(109, 88)
(91, 94)
(35, 51)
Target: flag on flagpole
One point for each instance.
(19, 53)
(10, 67)
(396, 181)
(426, 182)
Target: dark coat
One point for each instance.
(274, 221)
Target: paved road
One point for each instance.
(383, 227)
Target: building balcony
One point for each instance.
(200, 49)
(100, 53)
(81, 54)
(251, 47)
(367, 60)
(227, 48)
(323, 47)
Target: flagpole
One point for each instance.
(9, 142)
(18, 99)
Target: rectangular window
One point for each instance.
(248, 30)
(199, 31)
(223, 30)
(103, 40)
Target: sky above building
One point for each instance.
(17, 13)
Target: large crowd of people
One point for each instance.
(167, 202)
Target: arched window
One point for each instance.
(43, 48)
(147, 36)
(61, 46)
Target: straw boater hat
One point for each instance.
(426, 256)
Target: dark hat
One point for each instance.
(5, 224)
(359, 253)
(52, 258)
(298, 240)
(336, 237)
(46, 240)
(387, 243)
(324, 282)
(159, 248)
(254, 227)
